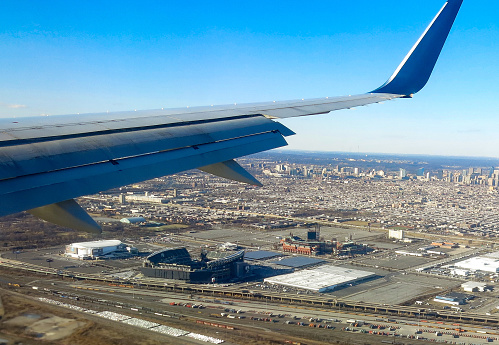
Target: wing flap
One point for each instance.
(231, 170)
(68, 214)
(36, 190)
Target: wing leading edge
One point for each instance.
(46, 162)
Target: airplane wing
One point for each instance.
(46, 162)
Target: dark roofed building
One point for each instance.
(298, 262)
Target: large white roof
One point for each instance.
(473, 285)
(480, 263)
(494, 255)
(97, 244)
(320, 279)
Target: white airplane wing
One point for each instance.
(46, 162)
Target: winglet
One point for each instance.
(415, 70)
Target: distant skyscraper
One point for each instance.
(402, 173)
(280, 167)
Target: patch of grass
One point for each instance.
(170, 227)
(357, 223)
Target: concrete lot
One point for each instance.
(398, 262)
(393, 293)
(394, 283)
(265, 238)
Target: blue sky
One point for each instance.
(64, 57)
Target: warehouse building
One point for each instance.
(453, 298)
(480, 263)
(475, 287)
(95, 249)
(321, 279)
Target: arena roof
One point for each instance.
(297, 262)
(321, 279)
(235, 256)
(260, 255)
(97, 244)
(178, 255)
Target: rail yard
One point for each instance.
(354, 313)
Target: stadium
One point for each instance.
(177, 264)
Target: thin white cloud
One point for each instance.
(13, 106)
(17, 106)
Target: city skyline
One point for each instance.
(75, 58)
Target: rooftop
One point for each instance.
(97, 244)
(321, 279)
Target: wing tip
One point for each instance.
(416, 68)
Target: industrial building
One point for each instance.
(260, 255)
(407, 253)
(448, 245)
(176, 263)
(480, 263)
(96, 249)
(474, 287)
(453, 298)
(298, 262)
(321, 279)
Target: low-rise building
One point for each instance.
(133, 220)
(480, 263)
(321, 279)
(93, 249)
(452, 298)
(474, 286)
